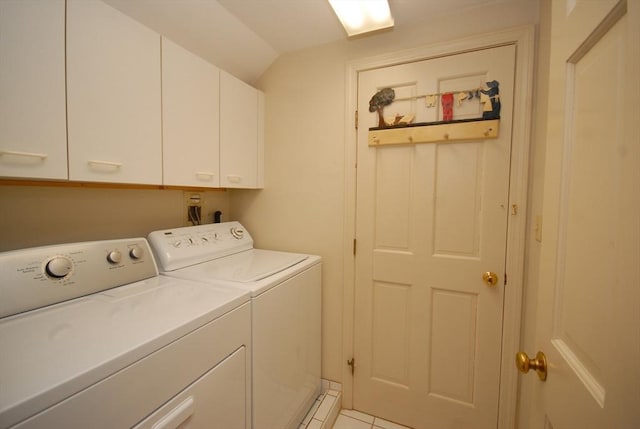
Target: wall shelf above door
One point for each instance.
(435, 132)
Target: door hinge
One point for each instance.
(352, 363)
(354, 246)
(356, 119)
(505, 279)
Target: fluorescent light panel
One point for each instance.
(362, 16)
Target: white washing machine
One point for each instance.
(285, 304)
(92, 337)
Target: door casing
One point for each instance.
(523, 39)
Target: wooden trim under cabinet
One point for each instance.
(68, 184)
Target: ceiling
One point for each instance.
(244, 37)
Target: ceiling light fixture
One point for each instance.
(362, 16)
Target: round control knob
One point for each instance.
(114, 257)
(136, 252)
(237, 233)
(58, 267)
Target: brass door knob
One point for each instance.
(491, 279)
(539, 364)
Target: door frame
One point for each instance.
(524, 39)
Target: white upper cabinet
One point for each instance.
(127, 114)
(190, 118)
(241, 134)
(33, 139)
(113, 90)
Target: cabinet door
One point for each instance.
(33, 136)
(113, 86)
(190, 118)
(240, 134)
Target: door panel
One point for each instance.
(431, 218)
(389, 333)
(453, 339)
(393, 198)
(589, 272)
(457, 217)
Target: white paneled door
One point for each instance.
(589, 301)
(431, 219)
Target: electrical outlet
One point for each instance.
(193, 202)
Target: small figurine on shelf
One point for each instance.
(491, 99)
(399, 119)
(382, 98)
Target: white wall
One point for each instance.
(302, 207)
(41, 215)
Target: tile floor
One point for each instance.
(351, 419)
(326, 413)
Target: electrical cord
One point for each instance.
(194, 215)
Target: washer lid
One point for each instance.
(252, 265)
(51, 353)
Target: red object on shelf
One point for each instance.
(447, 106)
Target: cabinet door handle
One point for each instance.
(27, 154)
(177, 416)
(206, 175)
(234, 179)
(105, 163)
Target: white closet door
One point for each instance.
(33, 135)
(431, 220)
(190, 118)
(113, 84)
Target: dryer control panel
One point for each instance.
(181, 247)
(41, 276)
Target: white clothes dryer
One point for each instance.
(285, 304)
(92, 337)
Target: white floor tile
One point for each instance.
(335, 386)
(314, 424)
(311, 412)
(333, 413)
(325, 408)
(345, 422)
(387, 425)
(358, 415)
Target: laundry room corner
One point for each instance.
(307, 166)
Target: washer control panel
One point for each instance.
(40, 276)
(180, 247)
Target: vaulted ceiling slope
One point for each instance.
(244, 37)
